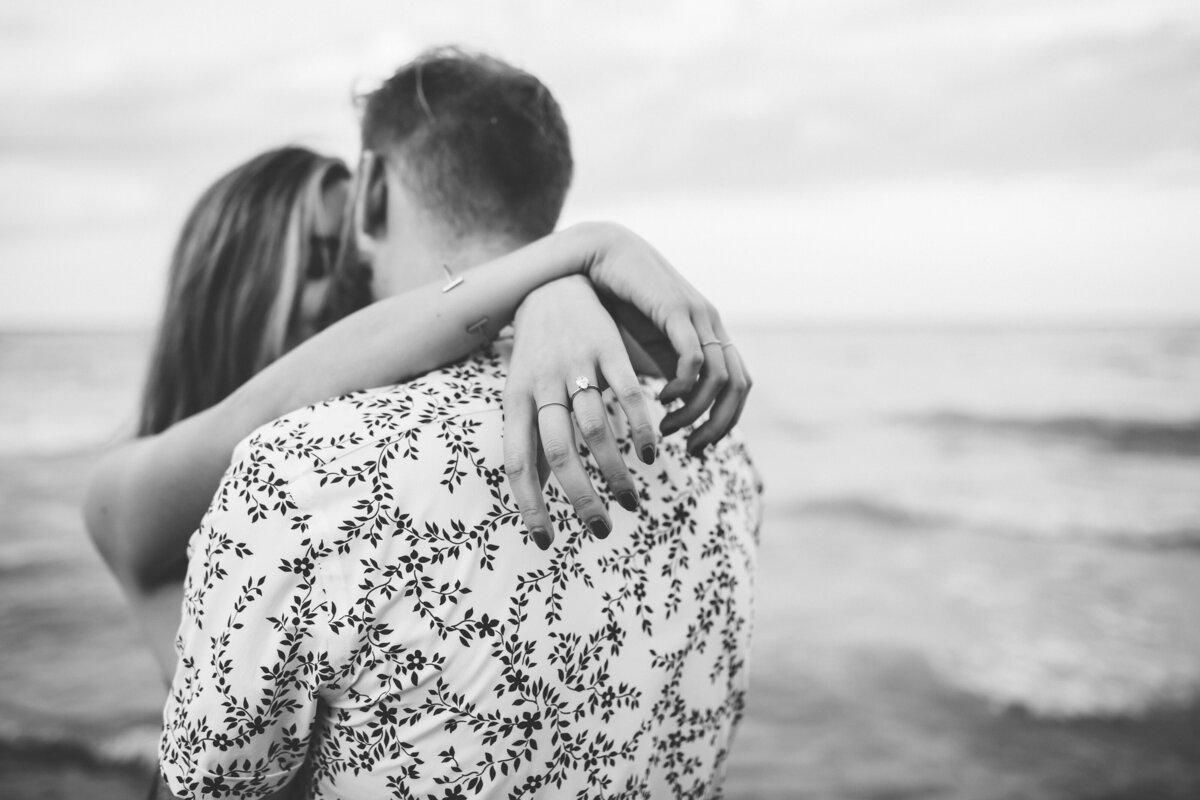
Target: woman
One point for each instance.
(249, 277)
(247, 282)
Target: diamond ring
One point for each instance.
(582, 384)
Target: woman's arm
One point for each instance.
(149, 495)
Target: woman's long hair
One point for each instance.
(235, 281)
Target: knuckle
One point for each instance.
(715, 375)
(529, 508)
(618, 476)
(515, 467)
(557, 452)
(528, 502)
(586, 503)
(631, 394)
(592, 427)
(642, 431)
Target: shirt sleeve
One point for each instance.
(251, 644)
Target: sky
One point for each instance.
(852, 161)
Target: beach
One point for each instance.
(978, 575)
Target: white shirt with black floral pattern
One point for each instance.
(363, 607)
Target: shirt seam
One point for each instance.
(237, 775)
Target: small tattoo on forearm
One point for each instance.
(451, 280)
(479, 328)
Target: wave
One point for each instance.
(866, 509)
(134, 746)
(69, 439)
(1116, 435)
(27, 558)
(899, 517)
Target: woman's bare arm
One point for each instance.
(150, 494)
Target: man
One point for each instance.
(363, 605)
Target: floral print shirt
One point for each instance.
(365, 616)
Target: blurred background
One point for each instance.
(957, 242)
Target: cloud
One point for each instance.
(131, 109)
(933, 249)
(758, 93)
(61, 197)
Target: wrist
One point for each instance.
(549, 295)
(591, 242)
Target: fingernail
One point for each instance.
(541, 537)
(628, 500)
(599, 527)
(648, 454)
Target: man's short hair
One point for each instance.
(485, 143)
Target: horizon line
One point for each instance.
(768, 324)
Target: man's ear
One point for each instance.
(370, 203)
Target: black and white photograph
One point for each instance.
(702, 399)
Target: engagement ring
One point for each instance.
(583, 385)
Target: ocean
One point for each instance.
(969, 523)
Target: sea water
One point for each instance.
(1089, 436)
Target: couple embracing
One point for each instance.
(380, 594)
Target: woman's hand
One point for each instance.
(563, 333)
(660, 310)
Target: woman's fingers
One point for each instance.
(727, 407)
(725, 411)
(705, 377)
(739, 384)
(713, 378)
(714, 375)
(681, 332)
(520, 465)
(557, 432)
(721, 390)
(592, 419)
(631, 396)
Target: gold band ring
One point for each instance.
(553, 403)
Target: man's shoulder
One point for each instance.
(315, 435)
